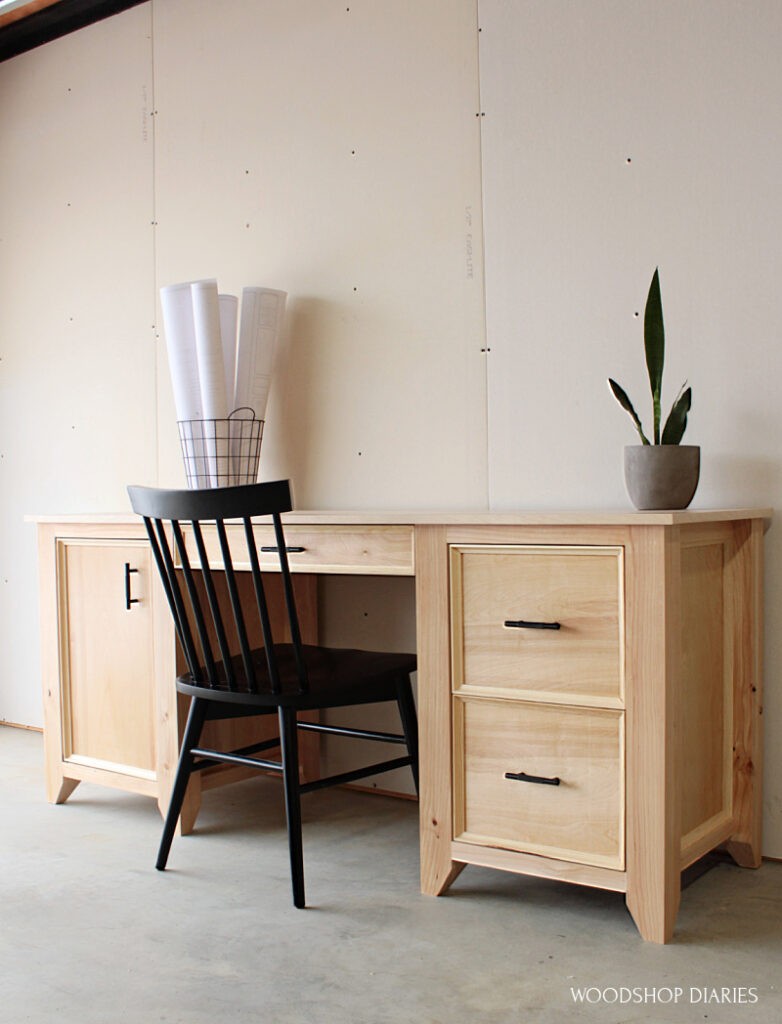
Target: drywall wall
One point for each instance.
(332, 150)
(328, 149)
(620, 136)
(78, 409)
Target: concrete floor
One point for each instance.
(91, 933)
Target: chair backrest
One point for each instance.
(208, 635)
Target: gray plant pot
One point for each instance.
(662, 476)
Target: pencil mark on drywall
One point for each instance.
(144, 115)
(468, 244)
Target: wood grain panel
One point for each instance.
(745, 584)
(705, 707)
(581, 819)
(108, 677)
(434, 710)
(367, 550)
(653, 635)
(578, 587)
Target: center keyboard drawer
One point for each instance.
(580, 819)
(386, 550)
(538, 622)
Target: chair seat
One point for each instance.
(337, 677)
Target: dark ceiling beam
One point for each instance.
(54, 21)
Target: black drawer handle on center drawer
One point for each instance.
(272, 548)
(524, 624)
(541, 780)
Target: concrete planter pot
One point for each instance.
(662, 476)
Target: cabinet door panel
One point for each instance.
(107, 675)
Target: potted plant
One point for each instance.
(661, 473)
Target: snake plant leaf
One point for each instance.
(654, 344)
(676, 423)
(621, 396)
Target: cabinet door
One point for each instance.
(107, 667)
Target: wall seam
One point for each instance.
(486, 343)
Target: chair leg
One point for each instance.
(409, 718)
(195, 723)
(289, 745)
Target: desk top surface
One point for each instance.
(373, 517)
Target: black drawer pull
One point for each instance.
(272, 549)
(540, 779)
(128, 599)
(524, 624)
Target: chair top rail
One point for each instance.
(240, 502)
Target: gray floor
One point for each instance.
(91, 933)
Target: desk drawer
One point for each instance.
(581, 819)
(503, 596)
(382, 550)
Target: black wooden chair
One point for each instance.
(265, 677)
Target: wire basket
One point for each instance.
(221, 453)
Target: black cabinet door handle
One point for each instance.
(541, 780)
(128, 599)
(272, 549)
(525, 624)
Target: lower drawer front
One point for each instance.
(580, 819)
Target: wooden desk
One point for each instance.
(612, 751)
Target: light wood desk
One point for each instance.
(612, 748)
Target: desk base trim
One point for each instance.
(540, 867)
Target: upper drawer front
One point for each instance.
(386, 550)
(579, 819)
(580, 588)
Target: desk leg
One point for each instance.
(226, 734)
(61, 793)
(653, 581)
(191, 806)
(438, 870)
(747, 588)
